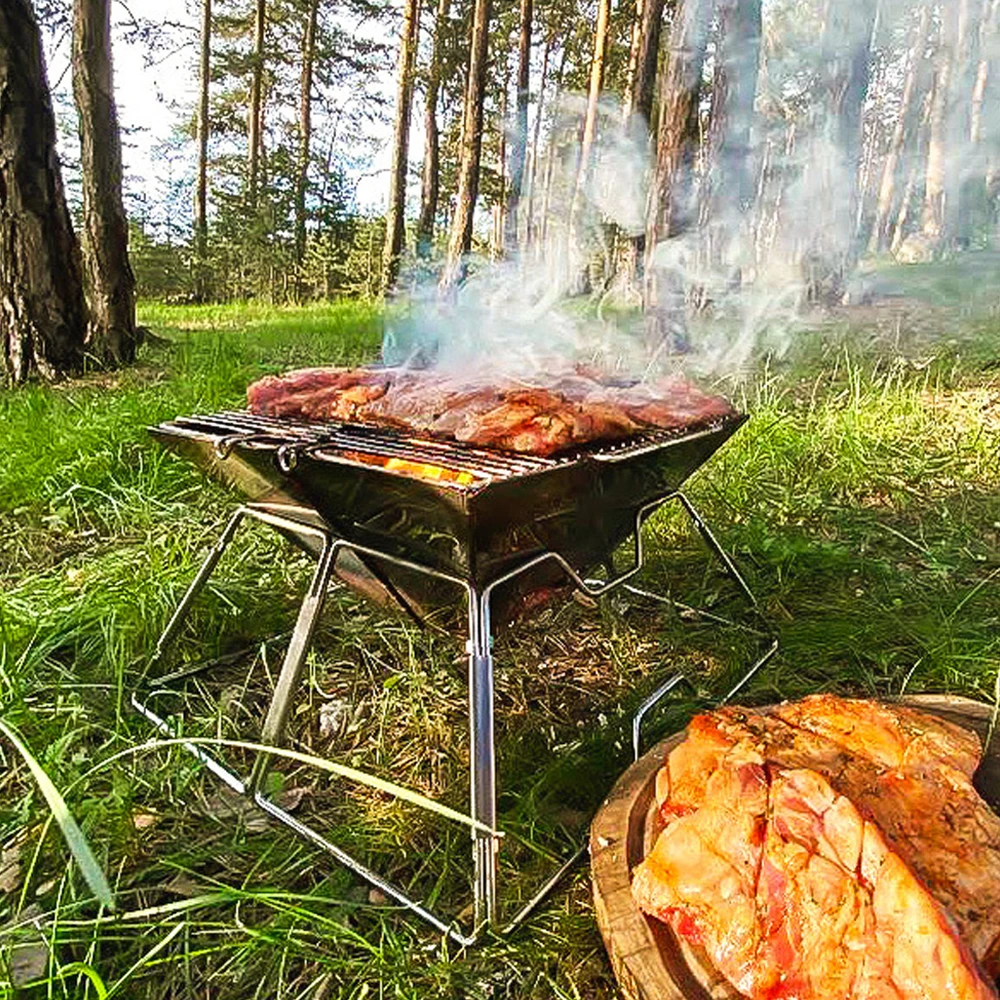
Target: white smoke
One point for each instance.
(743, 271)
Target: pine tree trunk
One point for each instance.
(903, 215)
(915, 174)
(531, 235)
(201, 186)
(593, 101)
(904, 126)
(395, 222)
(986, 71)
(671, 208)
(932, 221)
(647, 59)
(255, 138)
(985, 125)
(542, 237)
(499, 214)
(730, 187)
(834, 248)
(111, 284)
(460, 237)
(850, 81)
(635, 38)
(962, 179)
(519, 141)
(430, 180)
(639, 105)
(305, 143)
(42, 314)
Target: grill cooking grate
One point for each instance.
(399, 451)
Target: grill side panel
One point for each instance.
(582, 507)
(414, 519)
(252, 471)
(583, 510)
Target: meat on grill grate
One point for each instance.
(829, 849)
(573, 410)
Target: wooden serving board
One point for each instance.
(650, 961)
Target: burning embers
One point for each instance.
(572, 410)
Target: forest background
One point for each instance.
(788, 141)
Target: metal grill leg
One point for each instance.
(720, 553)
(482, 757)
(201, 578)
(481, 675)
(732, 571)
(273, 731)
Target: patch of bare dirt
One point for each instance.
(969, 410)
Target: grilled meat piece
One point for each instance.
(671, 403)
(894, 780)
(889, 735)
(341, 403)
(574, 410)
(272, 388)
(317, 393)
(430, 404)
(543, 422)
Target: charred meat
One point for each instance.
(575, 410)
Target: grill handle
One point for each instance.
(224, 446)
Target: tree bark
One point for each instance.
(593, 101)
(395, 222)
(111, 284)
(963, 176)
(430, 180)
(918, 159)
(460, 237)
(635, 37)
(932, 221)
(42, 313)
(639, 105)
(201, 186)
(985, 72)
(647, 58)
(305, 142)
(498, 210)
(519, 140)
(730, 187)
(985, 128)
(256, 120)
(834, 248)
(550, 162)
(854, 20)
(531, 227)
(904, 127)
(670, 210)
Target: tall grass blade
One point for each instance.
(82, 969)
(90, 869)
(145, 959)
(321, 763)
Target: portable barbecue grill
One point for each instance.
(397, 515)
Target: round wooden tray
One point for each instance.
(650, 961)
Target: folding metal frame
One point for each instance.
(301, 523)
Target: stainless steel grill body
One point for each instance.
(506, 508)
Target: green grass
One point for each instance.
(863, 502)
